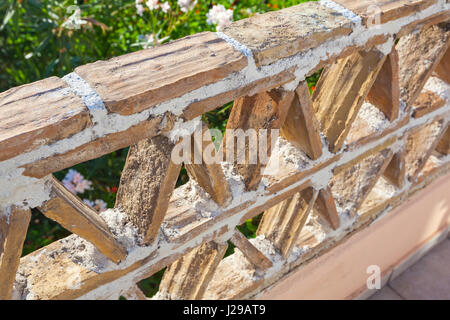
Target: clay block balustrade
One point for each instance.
(375, 130)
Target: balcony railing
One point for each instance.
(374, 131)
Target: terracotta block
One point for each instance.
(13, 230)
(283, 223)
(69, 211)
(301, 127)
(341, 91)
(396, 170)
(388, 10)
(427, 102)
(443, 69)
(326, 207)
(139, 80)
(419, 54)
(420, 144)
(275, 35)
(188, 278)
(385, 92)
(264, 111)
(256, 257)
(38, 114)
(209, 176)
(444, 144)
(146, 185)
(351, 186)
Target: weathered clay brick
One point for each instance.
(263, 111)
(256, 257)
(385, 92)
(396, 170)
(352, 185)
(280, 34)
(93, 149)
(419, 54)
(444, 144)
(301, 127)
(282, 223)
(13, 230)
(147, 182)
(209, 176)
(341, 91)
(38, 114)
(427, 102)
(443, 69)
(68, 210)
(419, 145)
(189, 277)
(326, 207)
(388, 9)
(139, 80)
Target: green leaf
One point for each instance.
(8, 16)
(48, 71)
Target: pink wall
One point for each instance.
(341, 273)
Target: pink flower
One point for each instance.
(83, 186)
(219, 16)
(75, 182)
(100, 205)
(69, 186)
(77, 178)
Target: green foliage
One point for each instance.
(41, 232)
(36, 40)
(150, 286)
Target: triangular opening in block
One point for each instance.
(420, 143)
(351, 184)
(419, 55)
(342, 90)
(385, 92)
(369, 122)
(380, 197)
(396, 170)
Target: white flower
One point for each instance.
(152, 4)
(140, 9)
(149, 40)
(219, 16)
(165, 7)
(186, 5)
(74, 21)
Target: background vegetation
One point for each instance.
(42, 38)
